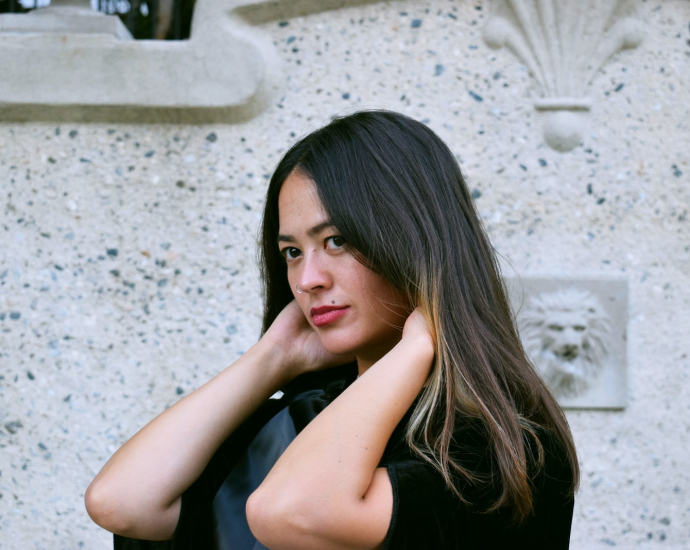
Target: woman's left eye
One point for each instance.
(337, 241)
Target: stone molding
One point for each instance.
(262, 11)
(64, 18)
(563, 44)
(226, 72)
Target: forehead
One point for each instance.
(299, 203)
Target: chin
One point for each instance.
(338, 345)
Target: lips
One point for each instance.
(324, 309)
(327, 314)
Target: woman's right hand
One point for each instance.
(299, 344)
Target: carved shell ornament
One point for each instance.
(563, 43)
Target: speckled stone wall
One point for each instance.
(128, 276)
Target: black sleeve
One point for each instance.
(423, 514)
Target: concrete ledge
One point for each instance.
(64, 20)
(225, 72)
(258, 12)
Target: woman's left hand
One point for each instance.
(417, 326)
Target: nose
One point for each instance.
(314, 273)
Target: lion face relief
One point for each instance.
(565, 335)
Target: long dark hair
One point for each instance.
(397, 196)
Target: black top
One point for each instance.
(426, 514)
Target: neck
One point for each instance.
(363, 366)
(366, 360)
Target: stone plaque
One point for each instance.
(574, 331)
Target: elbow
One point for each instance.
(102, 507)
(128, 516)
(279, 521)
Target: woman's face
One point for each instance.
(371, 312)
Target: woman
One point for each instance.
(374, 265)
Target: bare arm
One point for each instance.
(326, 492)
(138, 494)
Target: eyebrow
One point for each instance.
(310, 233)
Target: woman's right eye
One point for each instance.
(287, 252)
